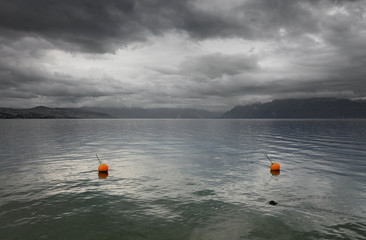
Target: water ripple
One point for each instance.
(182, 179)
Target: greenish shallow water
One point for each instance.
(182, 179)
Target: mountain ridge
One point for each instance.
(316, 108)
(157, 112)
(43, 112)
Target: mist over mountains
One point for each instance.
(156, 112)
(320, 108)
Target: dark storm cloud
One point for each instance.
(86, 24)
(103, 26)
(99, 26)
(299, 48)
(91, 26)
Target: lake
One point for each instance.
(182, 179)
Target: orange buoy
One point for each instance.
(103, 168)
(275, 167)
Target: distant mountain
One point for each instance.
(157, 112)
(46, 112)
(318, 108)
(77, 113)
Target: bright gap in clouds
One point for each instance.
(155, 68)
(171, 70)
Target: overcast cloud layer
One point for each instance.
(209, 54)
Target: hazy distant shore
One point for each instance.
(321, 108)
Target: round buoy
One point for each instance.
(103, 168)
(275, 167)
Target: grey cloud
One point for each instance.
(335, 67)
(251, 86)
(90, 25)
(217, 65)
(28, 82)
(104, 26)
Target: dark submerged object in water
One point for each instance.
(272, 202)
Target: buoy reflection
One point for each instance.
(102, 175)
(274, 172)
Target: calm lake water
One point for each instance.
(182, 179)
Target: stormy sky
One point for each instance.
(208, 54)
